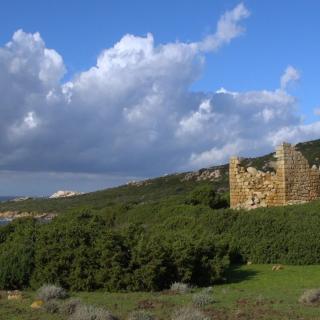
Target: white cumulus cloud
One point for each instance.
(290, 75)
(133, 113)
(228, 28)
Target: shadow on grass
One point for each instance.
(236, 274)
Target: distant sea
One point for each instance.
(3, 222)
(5, 198)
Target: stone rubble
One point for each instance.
(138, 183)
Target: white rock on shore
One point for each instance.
(65, 194)
(20, 199)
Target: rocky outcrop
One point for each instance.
(204, 174)
(252, 171)
(138, 183)
(65, 194)
(11, 215)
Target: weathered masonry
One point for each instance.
(293, 182)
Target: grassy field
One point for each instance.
(251, 292)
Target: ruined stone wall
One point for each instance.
(251, 189)
(302, 183)
(293, 182)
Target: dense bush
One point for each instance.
(65, 252)
(206, 195)
(83, 252)
(17, 254)
(113, 260)
(287, 235)
(151, 265)
(199, 259)
(150, 246)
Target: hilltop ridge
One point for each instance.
(172, 186)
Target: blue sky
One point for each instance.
(249, 65)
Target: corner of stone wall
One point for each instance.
(282, 153)
(233, 171)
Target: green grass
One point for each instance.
(21, 310)
(255, 291)
(251, 292)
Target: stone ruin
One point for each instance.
(293, 182)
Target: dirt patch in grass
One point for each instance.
(169, 293)
(3, 294)
(252, 309)
(149, 304)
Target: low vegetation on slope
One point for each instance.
(148, 246)
(152, 191)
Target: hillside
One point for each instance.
(174, 186)
(142, 237)
(148, 191)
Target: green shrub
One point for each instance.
(51, 306)
(140, 315)
(14, 226)
(17, 255)
(205, 195)
(65, 252)
(203, 298)
(198, 258)
(166, 257)
(113, 261)
(180, 287)
(188, 313)
(286, 235)
(151, 266)
(51, 292)
(69, 306)
(87, 312)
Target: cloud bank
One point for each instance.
(133, 113)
